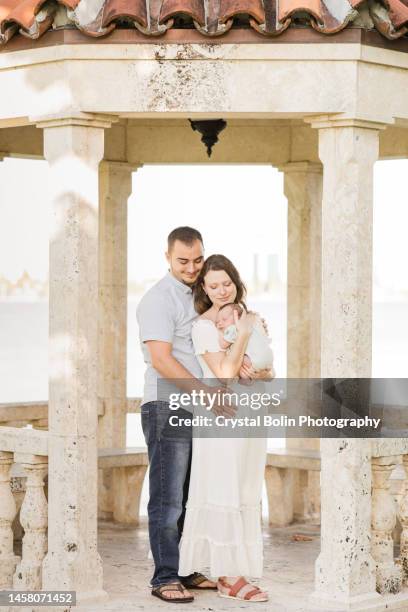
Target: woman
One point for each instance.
(222, 529)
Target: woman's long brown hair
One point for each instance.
(217, 262)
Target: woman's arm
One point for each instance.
(225, 365)
(223, 343)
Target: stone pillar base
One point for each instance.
(362, 603)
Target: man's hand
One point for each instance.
(258, 374)
(225, 407)
(265, 326)
(268, 374)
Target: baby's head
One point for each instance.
(225, 315)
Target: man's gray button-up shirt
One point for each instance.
(166, 313)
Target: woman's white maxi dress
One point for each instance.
(222, 530)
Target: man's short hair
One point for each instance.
(185, 234)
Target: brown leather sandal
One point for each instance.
(233, 590)
(171, 586)
(194, 581)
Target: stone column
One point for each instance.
(348, 150)
(345, 570)
(115, 185)
(73, 148)
(303, 190)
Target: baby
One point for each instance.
(258, 353)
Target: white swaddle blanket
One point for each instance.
(258, 349)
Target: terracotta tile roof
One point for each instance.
(212, 18)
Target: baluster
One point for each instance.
(8, 510)
(34, 520)
(403, 517)
(383, 519)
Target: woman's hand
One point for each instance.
(245, 371)
(266, 375)
(245, 322)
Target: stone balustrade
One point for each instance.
(19, 414)
(383, 522)
(389, 505)
(26, 449)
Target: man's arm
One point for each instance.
(167, 365)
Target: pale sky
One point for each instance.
(240, 210)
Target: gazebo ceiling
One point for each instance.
(32, 18)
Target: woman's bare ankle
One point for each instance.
(229, 577)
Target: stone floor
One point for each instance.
(288, 575)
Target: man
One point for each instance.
(165, 315)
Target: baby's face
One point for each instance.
(225, 317)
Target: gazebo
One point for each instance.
(97, 88)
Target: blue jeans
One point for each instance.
(169, 449)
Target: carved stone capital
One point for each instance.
(342, 121)
(97, 120)
(301, 167)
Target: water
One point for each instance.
(24, 356)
